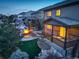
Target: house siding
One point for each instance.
(69, 11)
(45, 15)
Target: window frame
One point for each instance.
(49, 13)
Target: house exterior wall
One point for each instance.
(45, 15)
(69, 11)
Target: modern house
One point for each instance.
(61, 25)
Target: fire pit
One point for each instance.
(26, 32)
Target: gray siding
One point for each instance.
(70, 11)
(53, 12)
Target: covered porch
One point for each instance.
(62, 31)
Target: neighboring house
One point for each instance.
(61, 25)
(39, 15)
(24, 17)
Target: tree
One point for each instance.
(8, 37)
(12, 18)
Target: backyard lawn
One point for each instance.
(30, 47)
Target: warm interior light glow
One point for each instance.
(49, 26)
(49, 13)
(26, 31)
(62, 31)
(58, 12)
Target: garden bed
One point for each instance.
(30, 47)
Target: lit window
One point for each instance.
(48, 29)
(49, 26)
(49, 13)
(58, 12)
(62, 31)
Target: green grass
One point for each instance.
(30, 47)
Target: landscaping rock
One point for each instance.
(43, 54)
(49, 54)
(18, 54)
(43, 45)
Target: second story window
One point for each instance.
(58, 12)
(49, 13)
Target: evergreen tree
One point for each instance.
(8, 37)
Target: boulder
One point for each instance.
(18, 54)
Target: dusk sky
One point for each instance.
(17, 6)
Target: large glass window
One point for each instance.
(56, 30)
(58, 35)
(62, 32)
(59, 32)
(48, 28)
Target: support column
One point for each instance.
(52, 34)
(65, 43)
